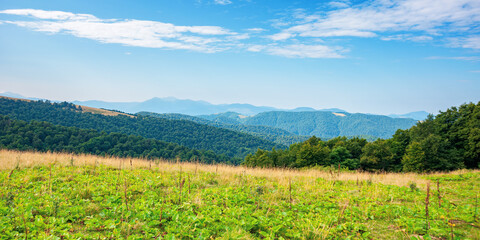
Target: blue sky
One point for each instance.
(377, 56)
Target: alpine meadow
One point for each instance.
(240, 119)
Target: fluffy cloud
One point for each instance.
(428, 18)
(128, 32)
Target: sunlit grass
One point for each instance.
(89, 196)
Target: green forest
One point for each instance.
(276, 135)
(448, 141)
(185, 133)
(43, 137)
(323, 124)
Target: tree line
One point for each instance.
(44, 136)
(448, 141)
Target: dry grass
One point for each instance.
(103, 111)
(10, 159)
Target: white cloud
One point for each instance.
(405, 37)
(475, 71)
(256, 48)
(466, 42)
(426, 18)
(462, 58)
(339, 4)
(222, 2)
(281, 36)
(256, 30)
(51, 15)
(304, 51)
(133, 32)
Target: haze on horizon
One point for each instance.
(361, 56)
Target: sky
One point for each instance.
(375, 56)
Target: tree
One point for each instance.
(414, 158)
(376, 156)
(339, 155)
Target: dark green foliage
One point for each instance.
(229, 121)
(449, 141)
(414, 158)
(377, 156)
(43, 136)
(312, 152)
(186, 133)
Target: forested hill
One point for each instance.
(276, 135)
(448, 141)
(43, 137)
(186, 133)
(323, 124)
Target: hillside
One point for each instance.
(275, 135)
(323, 124)
(43, 137)
(186, 133)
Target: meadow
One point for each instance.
(64, 196)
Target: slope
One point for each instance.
(44, 136)
(186, 133)
(275, 135)
(322, 124)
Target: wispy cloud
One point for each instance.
(407, 37)
(129, 32)
(466, 42)
(256, 30)
(422, 20)
(339, 4)
(222, 2)
(461, 58)
(300, 51)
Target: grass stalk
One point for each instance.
(125, 193)
(476, 206)
(427, 202)
(290, 191)
(25, 226)
(439, 194)
(180, 193)
(50, 180)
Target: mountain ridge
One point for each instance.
(322, 124)
(200, 107)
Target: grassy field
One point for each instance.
(62, 196)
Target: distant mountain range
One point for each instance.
(194, 108)
(420, 115)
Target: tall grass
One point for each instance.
(10, 160)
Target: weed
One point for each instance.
(413, 186)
